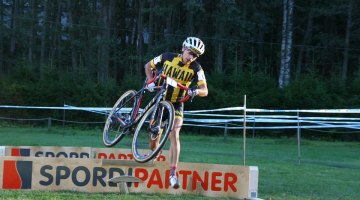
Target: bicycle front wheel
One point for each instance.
(117, 122)
(151, 135)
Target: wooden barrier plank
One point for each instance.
(122, 181)
(132, 163)
(92, 174)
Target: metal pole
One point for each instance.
(64, 117)
(253, 131)
(49, 122)
(244, 131)
(226, 129)
(299, 138)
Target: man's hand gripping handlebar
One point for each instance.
(187, 97)
(150, 86)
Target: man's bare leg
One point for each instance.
(175, 152)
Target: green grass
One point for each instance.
(69, 195)
(327, 170)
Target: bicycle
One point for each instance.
(155, 120)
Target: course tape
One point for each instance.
(274, 127)
(235, 121)
(105, 110)
(356, 111)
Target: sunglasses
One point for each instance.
(193, 54)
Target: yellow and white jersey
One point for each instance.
(172, 66)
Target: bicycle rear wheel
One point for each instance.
(117, 122)
(164, 120)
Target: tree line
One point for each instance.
(281, 53)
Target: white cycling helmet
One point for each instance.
(195, 45)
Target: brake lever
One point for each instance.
(192, 97)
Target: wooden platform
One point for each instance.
(122, 180)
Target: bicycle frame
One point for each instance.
(135, 115)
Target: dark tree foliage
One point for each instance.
(86, 52)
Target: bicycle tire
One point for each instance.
(140, 145)
(114, 131)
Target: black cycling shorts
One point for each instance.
(179, 110)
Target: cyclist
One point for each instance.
(185, 70)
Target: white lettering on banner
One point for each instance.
(2, 150)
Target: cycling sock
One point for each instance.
(173, 171)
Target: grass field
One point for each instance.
(327, 170)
